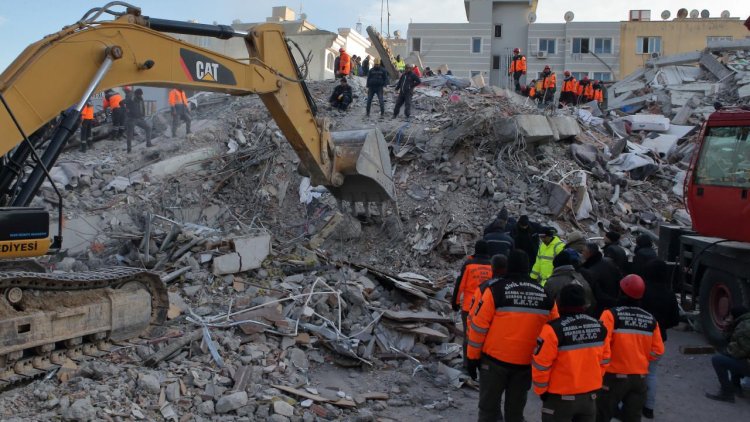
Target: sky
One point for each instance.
(24, 22)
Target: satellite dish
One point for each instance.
(532, 17)
(303, 16)
(682, 13)
(705, 13)
(665, 14)
(397, 34)
(569, 16)
(725, 14)
(694, 13)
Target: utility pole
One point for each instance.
(381, 16)
(388, 10)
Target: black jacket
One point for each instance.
(527, 239)
(377, 77)
(659, 299)
(617, 254)
(641, 259)
(604, 278)
(135, 107)
(499, 243)
(344, 90)
(407, 82)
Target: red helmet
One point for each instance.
(341, 50)
(546, 67)
(633, 286)
(585, 78)
(596, 82)
(567, 73)
(516, 50)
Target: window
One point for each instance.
(725, 157)
(603, 45)
(579, 75)
(476, 44)
(718, 38)
(580, 45)
(640, 15)
(495, 62)
(475, 73)
(416, 44)
(547, 44)
(603, 76)
(329, 61)
(647, 45)
(498, 31)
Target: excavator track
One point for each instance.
(46, 319)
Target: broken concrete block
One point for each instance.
(227, 264)
(709, 62)
(743, 91)
(632, 101)
(534, 128)
(559, 197)
(729, 45)
(250, 251)
(628, 87)
(655, 122)
(564, 127)
(674, 59)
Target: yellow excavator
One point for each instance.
(47, 317)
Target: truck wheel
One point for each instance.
(719, 293)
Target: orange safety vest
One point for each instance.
(585, 90)
(549, 81)
(113, 102)
(570, 84)
(507, 320)
(634, 339)
(518, 64)
(345, 63)
(532, 92)
(177, 96)
(474, 272)
(571, 356)
(87, 113)
(598, 94)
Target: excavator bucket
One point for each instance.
(361, 156)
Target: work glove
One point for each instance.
(544, 396)
(472, 365)
(455, 307)
(340, 97)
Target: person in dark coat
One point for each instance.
(342, 96)
(564, 274)
(405, 88)
(526, 235)
(135, 108)
(377, 78)
(499, 241)
(366, 66)
(614, 251)
(660, 301)
(603, 276)
(644, 252)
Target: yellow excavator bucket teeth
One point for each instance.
(361, 156)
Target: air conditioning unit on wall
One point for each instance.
(541, 55)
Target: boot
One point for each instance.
(648, 413)
(721, 396)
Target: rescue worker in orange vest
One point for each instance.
(549, 85)
(569, 90)
(344, 63)
(585, 91)
(112, 100)
(531, 89)
(180, 110)
(502, 334)
(634, 338)
(569, 360)
(87, 124)
(598, 89)
(517, 67)
(476, 269)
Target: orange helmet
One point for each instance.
(633, 286)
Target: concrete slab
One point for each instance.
(632, 101)
(682, 58)
(177, 163)
(564, 127)
(680, 98)
(660, 143)
(741, 44)
(743, 91)
(714, 66)
(534, 128)
(679, 131)
(250, 251)
(628, 86)
(629, 78)
(707, 88)
(655, 122)
(80, 233)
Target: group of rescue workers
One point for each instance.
(125, 114)
(543, 89)
(586, 327)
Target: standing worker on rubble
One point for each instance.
(87, 124)
(405, 89)
(112, 100)
(569, 90)
(517, 68)
(569, 361)
(180, 110)
(366, 66)
(476, 269)
(549, 85)
(400, 64)
(598, 88)
(377, 79)
(502, 335)
(634, 338)
(136, 109)
(549, 248)
(345, 63)
(585, 90)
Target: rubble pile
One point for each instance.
(275, 290)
